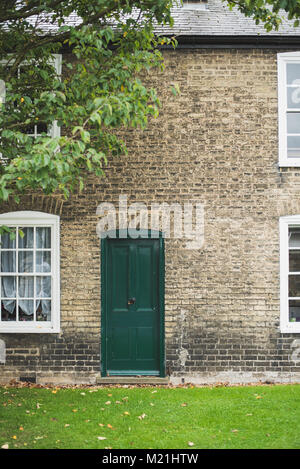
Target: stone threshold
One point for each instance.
(132, 380)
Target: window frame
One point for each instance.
(282, 60)
(284, 224)
(38, 219)
(57, 62)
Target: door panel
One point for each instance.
(145, 343)
(118, 277)
(132, 316)
(121, 337)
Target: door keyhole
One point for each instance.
(131, 301)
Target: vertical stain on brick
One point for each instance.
(295, 357)
(183, 356)
(2, 352)
(183, 353)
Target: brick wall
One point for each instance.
(215, 144)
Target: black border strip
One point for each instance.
(237, 41)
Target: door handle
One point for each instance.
(131, 301)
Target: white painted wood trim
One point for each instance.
(284, 224)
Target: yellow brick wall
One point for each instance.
(215, 144)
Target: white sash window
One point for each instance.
(290, 274)
(38, 128)
(29, 273)
(289, 108)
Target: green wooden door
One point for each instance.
(132, 319)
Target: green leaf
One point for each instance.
(85, 135)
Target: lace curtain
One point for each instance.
(25, 265)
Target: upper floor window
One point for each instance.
(37, 128)
(289, 108)
(290, 274)
(29, 273)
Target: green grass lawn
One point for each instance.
(151, 417)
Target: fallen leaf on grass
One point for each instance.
(21, 428)
(100, 424)
(126, 413)
(118, 402)
(107, 402)
(14, 437)
(5, 446)
(184, 404)
(190, 443)
(234, 431)
(258, 397)
(101, 438)
(74, 410)
(67, 425)
(109, 426)
(141, 417)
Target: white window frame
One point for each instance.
(38, 219)
(282, 60)
(56, 61)
(54, 130)
(284, 224)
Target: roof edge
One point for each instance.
(205, 41)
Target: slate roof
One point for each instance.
(214, 21)
(218, 20)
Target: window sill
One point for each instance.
(293, 329)
(36, 329)
(289, 164)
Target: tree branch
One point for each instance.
(32, 8)
(41, 40)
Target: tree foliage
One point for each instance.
(111, 43)
(99, 91)
(269, 12)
